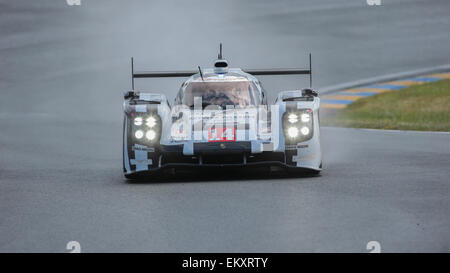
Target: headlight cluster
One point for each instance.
(298, 125)
(146, 126)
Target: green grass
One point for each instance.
(424, 107)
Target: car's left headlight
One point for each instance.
(298, 125)
(146, 128)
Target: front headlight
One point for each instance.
(151, 122)
(138, 121)
(306, 117)
(139, 134)
(298, 125)
(304, 130)
(293, 132)
(146, 128)
(150, 135)
(292, 118)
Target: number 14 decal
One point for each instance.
(222, 134)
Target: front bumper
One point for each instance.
(212, 155)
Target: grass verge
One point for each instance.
(424, 107)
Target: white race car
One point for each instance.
(220, 118)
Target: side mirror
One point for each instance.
(129, 94)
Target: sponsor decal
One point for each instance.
(141, 161)
(138, 147)
(291, 147)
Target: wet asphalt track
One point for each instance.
(63, 70)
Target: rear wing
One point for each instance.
(188, 73)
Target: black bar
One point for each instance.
(188, 73)
(310, 70)
(132, 73)
(284, 71)
(227, 262)
(163, 74)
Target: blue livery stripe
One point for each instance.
(386, 86)
(336, 101)
(424, 79)
(360, 94)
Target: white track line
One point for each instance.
(388, 131)
(385, 78)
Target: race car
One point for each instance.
(220, 118)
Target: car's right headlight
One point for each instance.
(298, 125)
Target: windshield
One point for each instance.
(238, 93)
